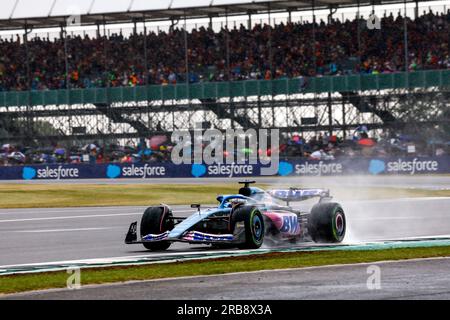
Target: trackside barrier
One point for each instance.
(375, 166)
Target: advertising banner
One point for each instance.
(375, 166)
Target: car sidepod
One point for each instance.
(285, 223)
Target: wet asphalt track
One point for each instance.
(416, 279)
(433, 182)
(49, 235)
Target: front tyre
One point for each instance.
(253, 222)
(156, 220)
(327, 223)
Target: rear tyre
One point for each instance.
(327, 223)
(253, 225)
(156, 220)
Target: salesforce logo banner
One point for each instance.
(406, 166)
(310, 168)
(319, 168)
(377, 166)
(225, 170)
(54, 172)
(410, 165)
(285, 168)
(142, 171)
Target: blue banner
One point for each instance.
(375, 166)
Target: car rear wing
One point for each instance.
(296, 194)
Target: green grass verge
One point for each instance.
(76, 195)
(27, 282)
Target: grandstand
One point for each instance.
(304, 67)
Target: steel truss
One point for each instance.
(308, 114)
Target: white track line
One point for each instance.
(129, 258)
(73, 217)
(69, 210)
(81, 216)
(96, 209)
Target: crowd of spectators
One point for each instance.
(317, 147)
(362, 145)
(264, 52)
(91, 153)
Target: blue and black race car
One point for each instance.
(243, 220)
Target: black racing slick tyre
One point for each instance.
(327, 223)
(156, 220)
(253, 225)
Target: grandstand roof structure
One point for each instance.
(17, 14)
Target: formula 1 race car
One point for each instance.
(243, 220)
